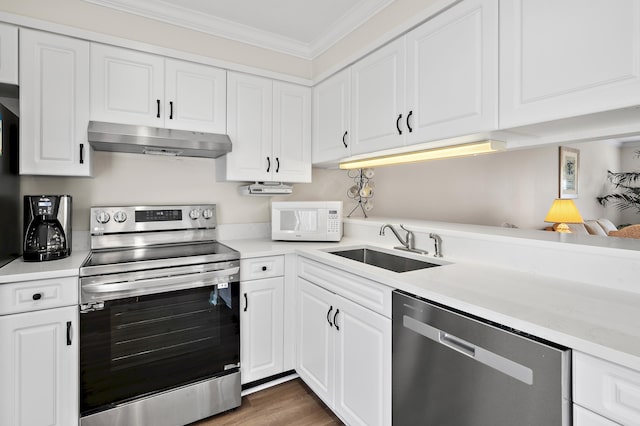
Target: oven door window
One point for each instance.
(141, 345)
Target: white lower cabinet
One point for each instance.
(261, 317)
(607, 389)
(39, 368)
(261, 322)
(344, 355)
(584, 417)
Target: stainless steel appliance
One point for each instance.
(159, 318)
(116, 137)
(47, 227)
(452, 369)
(10, 229)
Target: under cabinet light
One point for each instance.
(474, 148)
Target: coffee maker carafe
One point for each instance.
(47, 227)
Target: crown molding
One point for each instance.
(165, 11)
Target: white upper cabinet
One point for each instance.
(195, 97)
(378, 104)
(8, 54)
(452, 73)
(126, 86)
(331, 130)
(250, 127)
(54, 105)
(439, 81)
(566, 58)
(291, 133)
(269, 124)
(133, 87)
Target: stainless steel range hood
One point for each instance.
(152, 140)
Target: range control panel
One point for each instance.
(127, 219)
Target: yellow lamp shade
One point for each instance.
(563, 212)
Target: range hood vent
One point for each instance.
(153, 140)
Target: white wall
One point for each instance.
(630, 162)
(88, 16)
(135, 179)
(517, 187)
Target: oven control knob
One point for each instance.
(194, 214)
(103, 217)
(207, 213)
(120, 216)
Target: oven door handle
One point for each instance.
(156, 285)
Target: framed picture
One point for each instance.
(569, 172)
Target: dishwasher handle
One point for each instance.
(457, 344)
(478, 353)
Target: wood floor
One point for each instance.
(290, 403)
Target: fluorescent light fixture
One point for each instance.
(474, 148)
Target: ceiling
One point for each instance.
(303, 28)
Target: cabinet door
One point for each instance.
(250, 127)
(39, 368)
(54, 105)
(452, 73)
(315, 349)
(584, 417)
(195, 97)
(363, 365)
(126, 86)
(331, 122)
(566, 58)
(262, 326)
(8, 54)
(291, 133)
(378, 106)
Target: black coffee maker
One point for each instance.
(47, 227)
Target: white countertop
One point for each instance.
(596, 320)
(19, 270)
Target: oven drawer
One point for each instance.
(261, 267)
(35, 295)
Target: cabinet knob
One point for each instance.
(264, 268)
(37, 296)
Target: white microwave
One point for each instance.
(306, 220)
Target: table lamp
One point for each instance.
(563, 212)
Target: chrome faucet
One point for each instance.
(408, 241)
(438, 242)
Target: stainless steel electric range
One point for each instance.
(159, 318)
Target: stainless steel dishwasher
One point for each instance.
(452, 369)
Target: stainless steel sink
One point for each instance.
(387, 261)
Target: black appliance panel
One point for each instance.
(148, 344)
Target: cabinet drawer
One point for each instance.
(584, 417)
(606, 388)
(370, 294)
(261, 267)
(35, 295)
